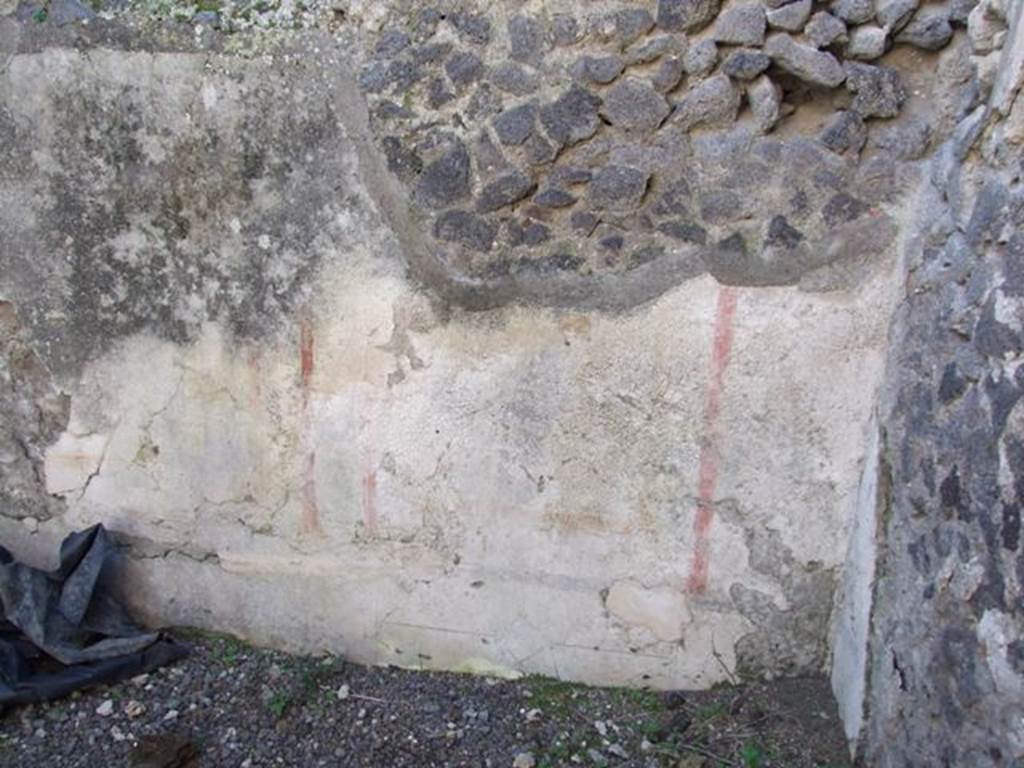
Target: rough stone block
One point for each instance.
(634, 105)
(807, 63)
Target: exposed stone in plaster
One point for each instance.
(604, 94)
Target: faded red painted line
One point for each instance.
(307, 361)
(370, 502)
(710, 440)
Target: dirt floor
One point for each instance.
(229, 704)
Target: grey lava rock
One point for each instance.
(391, 43)
(584, 222)
(570, 174)
(685, 231)
(618, 187)
(623, 27)
(438, 93)
(598, 69)
(514, 126)
(894, 14)
(489, 159)
(464, 68)
(572, 117)
(928, 29)
(505, 190)
(805, 62)
(746, 64)
(668, 74)
(824, 29)
(867, 43)
(714, 101)
(565, 30)
(467, 229)
(446, 180)
(878, 90)
(514, 78)
(853, 11)
(431, 53)
(686, 15)
(528, 233)
(741, 25)
(765, 98)
(646, 51)
(527, 38)
(634, 105)
(471, 27)
(790, 17)
(846, 132)
(553, 197)
(700, 58)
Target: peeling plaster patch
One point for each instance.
(790, 638)
(73, 461)
(662, 611)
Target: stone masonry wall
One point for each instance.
(517, 337)
(552, 151)
(946, 673)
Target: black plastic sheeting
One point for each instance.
(63, 630)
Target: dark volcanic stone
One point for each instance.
(539, 150)
(515, 79)
(742, 24)
(625, 26)
(618, 187)
(782, 234)
(526, 37)
(402, 162)
(391, 43)
(565, 30)
(804, 61)
(824, 29)
(528, 233)
(373, 78)
(686, 15)
(613, 242)
(879, 90)
(572, 117)
(553, 197)
(791, 17)
(472, 28)
(432, 53)
(842, 208)
(674, 200)
(646, 51)
(464, 68)
(845, 132)
(668, 74)
(853, 11)
(467, 229)
(488, 157)
(714, 101)
(505, 190)
(584, 222)
(634, 105)
(515, 125)
(746, 64)
(687, 232)
(570, 174)
(598, 69)
(928, 30)
(438, 93)
(446, 179)
(700, 57)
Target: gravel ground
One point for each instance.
(229, 704)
